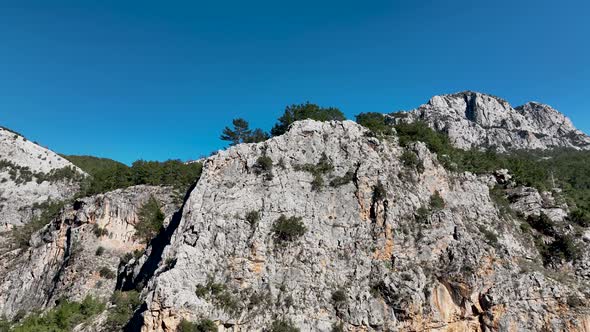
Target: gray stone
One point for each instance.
(477, 120)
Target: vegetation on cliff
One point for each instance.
(107, 175)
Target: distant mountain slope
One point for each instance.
(93, 165)
(473, 119)
(31, 175)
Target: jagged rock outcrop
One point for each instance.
(380, 252)
(64, 261)
(476, 120)
(30, 175)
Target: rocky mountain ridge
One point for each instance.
(328, 227)
(31, 175)
(377, 253)
(477, 120)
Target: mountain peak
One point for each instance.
(478, 120)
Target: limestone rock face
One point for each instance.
(476, 120)
(20, 184)
(64, 261)
(379, 251)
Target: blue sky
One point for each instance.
(159, 80)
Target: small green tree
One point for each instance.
(240, 132)
(305, 111)
(257, 135)
(151, 220)
(375, 122)
(436, 201)
(288, 229)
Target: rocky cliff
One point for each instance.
(31, 175)
(78, 253)
(326, 228)
(474, 120)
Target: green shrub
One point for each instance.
(131, 255)
(99, 251)
(562, 248)
(323, 166)
(567, 168)
(99, 231)
(258, 299)
(410, 160)
(204, 325)
(23, 174)
(219, 295)
(169, 263)
(375, 122)
(502, 204)
(263, 165)
(226, 301)
(338, 327)
(64, 317)
(288, 229)
(253, 217)
(422, 214)
(339, 296)
(151, 220)
(580, 217)
(525, 227)
(490, 237)
(107, 273)
(317, 183)
(543, 224)
(379, 192)
(49, 211)
(305, 111)
(419, 131)
(124, 304)
(575, 301)
(342, 180)
(283, 326)
(437, 203)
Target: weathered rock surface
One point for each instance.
(62, 261)
(19, 192)
(476, 120)
(461, 267)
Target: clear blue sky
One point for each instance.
(160, 79)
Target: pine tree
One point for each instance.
(239, 134)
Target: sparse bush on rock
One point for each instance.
(288, 229)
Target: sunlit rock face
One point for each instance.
(72, 256)
(476, 120)
(369, 260)
(20, 186)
